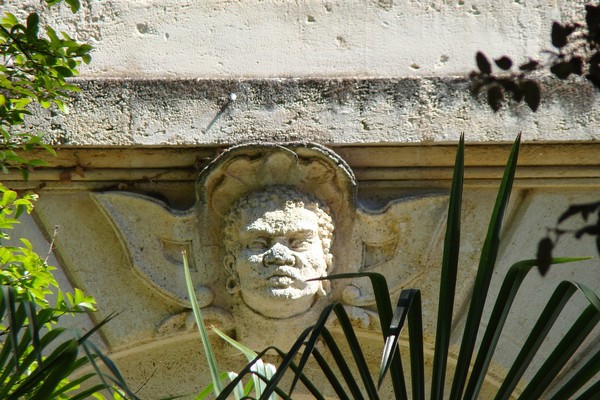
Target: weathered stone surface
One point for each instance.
(172, 84)
(258, 234)
(339, 111)
(334, 38)
(122, 247)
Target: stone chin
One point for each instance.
(281, 303)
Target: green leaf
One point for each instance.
(246, 351)
(85, 394)
(116, 378)
(259, 367)
(588, 319)
(448, 276)
(210, 358)
(231, 387)
(384, 310)
(9, 20)
(485, 270)
(585, 374)
(75, 5)
(33, 22)
(328, 372)
(8, 197)
(61, 368)
(64, 71)
(71, 88)
(353, 345)
(409, 304)
(510, 286)
(563, 292)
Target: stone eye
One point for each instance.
(299, 243)
(259, 243)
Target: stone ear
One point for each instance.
(229, 262)
(233, 281)
(233, 284)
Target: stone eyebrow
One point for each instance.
(304, 232)
(294, 230)
(255, 229)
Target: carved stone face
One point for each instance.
(278, 248)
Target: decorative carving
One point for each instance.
(275, 241)
(262, 226)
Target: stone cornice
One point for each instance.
(151, 112)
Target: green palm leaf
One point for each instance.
(487, 262)
(510, 286)
(448, 276)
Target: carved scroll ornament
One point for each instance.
(267, 219)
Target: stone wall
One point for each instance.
(380, 82)
(329, 71)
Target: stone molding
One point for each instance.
(549, 164)
(153, 234)
(151, 193)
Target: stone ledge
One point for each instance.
(541, 164)
(128, 112)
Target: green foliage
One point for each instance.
(35, 64)
(23, 269)
(472, 365)
(36, 358)
(35, 362)
(261, 371)
(576, 51)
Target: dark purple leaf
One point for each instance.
(594, 79)
(560, 34)
(592, 19)
(584, 209)
(594, 69)
(561, 70)
(504, 63)
(495, 97)
(476, 87)
(593, 230)
(544, 255)
(531, 65)
(509, 85)
(531, 94)
(483, 63)
(576, 65)
(594, 61)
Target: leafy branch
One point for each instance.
(36, 65)
(576, 51)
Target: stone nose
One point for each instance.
(279, 255)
